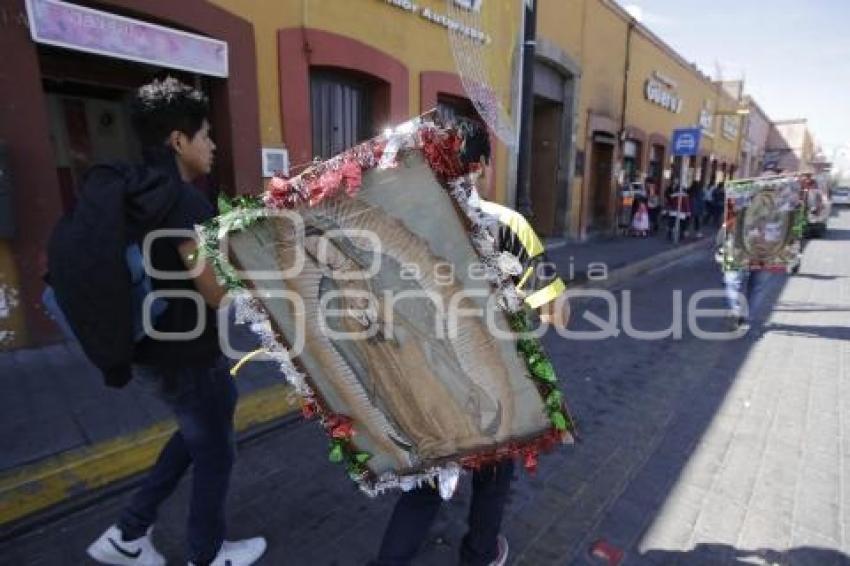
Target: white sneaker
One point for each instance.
(239, 552)
(111, 549)
(502, 557)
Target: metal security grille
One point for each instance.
(341, 112)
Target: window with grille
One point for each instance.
(341, 110)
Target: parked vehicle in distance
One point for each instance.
(841, 195)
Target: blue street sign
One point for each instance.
(686, 141)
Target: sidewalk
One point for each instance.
(64, 434)
(623, 257)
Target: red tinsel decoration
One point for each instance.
(353, 177)
(530, 461)
(326, 186)
(514, 450)
(309, 409)
(340, 427)
(282, 193)
(441, 149)
(326, 180)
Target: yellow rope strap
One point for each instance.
(245, 359)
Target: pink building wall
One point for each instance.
(790, 146)
(758, 127)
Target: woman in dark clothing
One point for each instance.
(718, 204)
(697, 206)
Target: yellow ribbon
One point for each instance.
(245, 359)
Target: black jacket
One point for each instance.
(118, 204)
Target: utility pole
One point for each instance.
(523, 177)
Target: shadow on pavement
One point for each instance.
(829, 332)
(663, 464)
(818, 277)
(708, 553)
(837, 234)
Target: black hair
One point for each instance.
(161, 107)
(476, 142)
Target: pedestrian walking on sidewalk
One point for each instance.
(678, 213)
(653, 204)
(718, 199)
(708, 203)
(640, 217)
(417, 509)
(191, 375)
(697, 207)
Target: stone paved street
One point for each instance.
(693, 451)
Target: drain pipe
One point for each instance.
(626, 72)
(625, 104)
(523, 177)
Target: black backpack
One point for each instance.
(93, 268)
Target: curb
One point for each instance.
(75, 475)
(619, 276)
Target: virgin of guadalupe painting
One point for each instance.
(765, 213)
(379, 291)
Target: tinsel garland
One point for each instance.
(343, 175)
(787, 190)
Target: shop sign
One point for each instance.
(658, 92)
(443, 20)
(706, 118)
(53, 22)
(730, 127)
(471, 5)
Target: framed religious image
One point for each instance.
(764, 222)
(373, 278)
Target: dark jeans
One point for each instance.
(671, 227)
(203, 401)
(653, 218)
(416, 510)
(713, 213)
(696, 219)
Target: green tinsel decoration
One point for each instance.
(541, 369)
(336, 453)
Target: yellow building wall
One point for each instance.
(594, 35)
(603, 61)
(420, 44)
(592, 32)
(561, 22)
(648, 58)
(727, 149)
